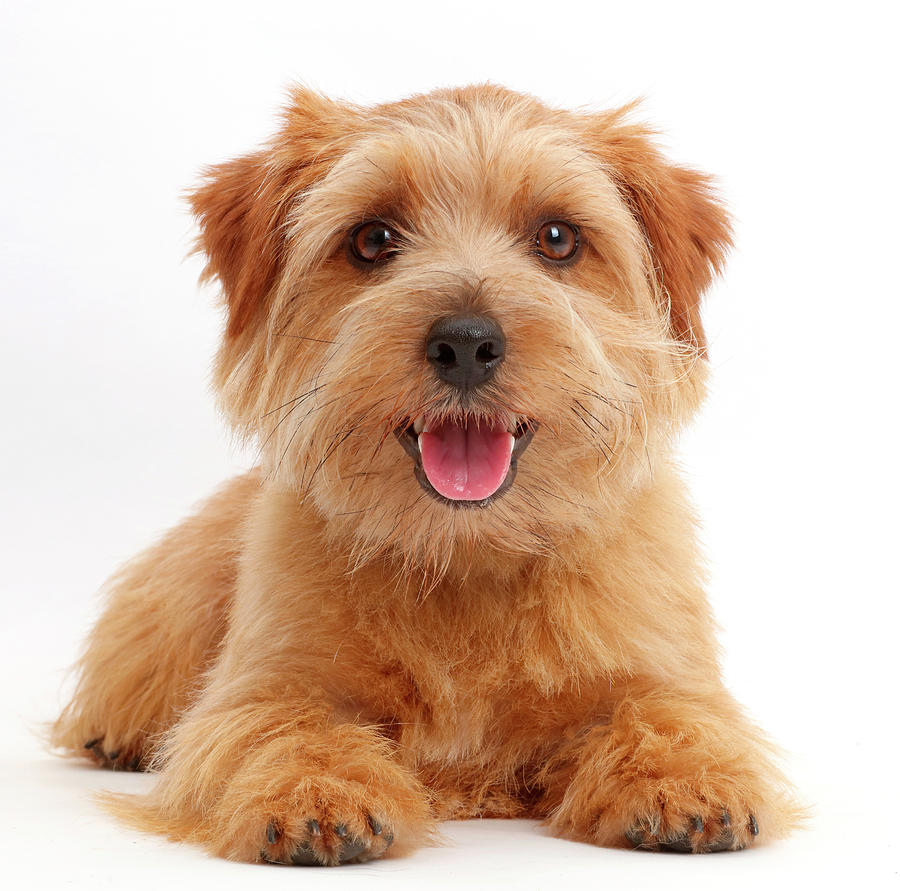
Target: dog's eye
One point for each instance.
(557, 240)
(372, 241)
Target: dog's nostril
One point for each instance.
(485, 352)
(445, 354)
(465, 350)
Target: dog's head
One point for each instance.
(462, 319)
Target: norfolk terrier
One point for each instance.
(464, 332)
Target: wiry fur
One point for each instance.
(325, 642)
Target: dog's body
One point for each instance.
(350, 643)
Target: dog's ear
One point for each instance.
(687, 229)
(242, 205)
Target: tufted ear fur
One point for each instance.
(242, 205)
(687, 229)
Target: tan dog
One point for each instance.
(464, 330)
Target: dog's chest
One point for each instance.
(464, 674)
(444, 711)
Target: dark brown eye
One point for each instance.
(372, 241)
(557, 240)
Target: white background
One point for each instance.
(107, 112)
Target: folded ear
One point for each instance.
(242, 205)
(688, 230)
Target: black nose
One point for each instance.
(465, 350)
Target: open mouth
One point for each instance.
(468, 462)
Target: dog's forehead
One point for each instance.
(481, 162)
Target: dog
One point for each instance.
(463, 580)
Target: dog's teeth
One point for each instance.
(419, 440)
(419, 424)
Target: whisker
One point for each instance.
(590, 414)
(295, 399)
(313, 339)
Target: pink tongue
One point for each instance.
(466, 463)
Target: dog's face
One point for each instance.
(463, 319)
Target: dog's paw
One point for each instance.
(327, 841)
(715, 831)
(285, 803)
(115, 756)
(673, 772)
(334, 823)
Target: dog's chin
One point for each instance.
(454, 487)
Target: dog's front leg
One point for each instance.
(262, 769)
(672, 770)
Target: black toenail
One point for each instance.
(698, 824)
(135, 763)
(375, 825)
(754, 826)
(273, 833)
(313, 827)
(340, 830)
(92, 742)
(113, 755)
(726, 818)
